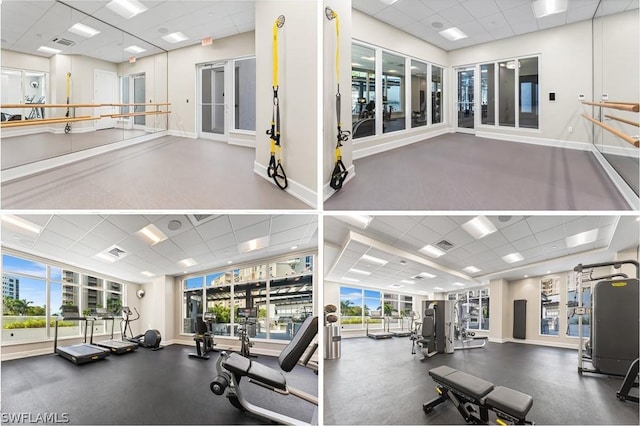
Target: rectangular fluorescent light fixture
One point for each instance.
(423, 292)
(22, 223)
(432, 251)
(83, 30)
(359, 271)
(388, 2)
(513, 257)
(134, 49)
(46, 49)
(126, 8)
(373, 259)
(351, 280)
(407, 281)
(438, 288)
(453, 34)
(153, 234)
(188, 262)
(479, 227)
(585, 237)
(176, 37)
(459, 284)
(395, 285)
(543, 8)
(255, 244)
(147, 273)
(368, 58)
(426, 275)
(471, 269)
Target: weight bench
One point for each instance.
(232, 367)
(474, 397)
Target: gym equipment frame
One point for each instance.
(81, 353)
(630, 381)
(473, 397)
(232, 367)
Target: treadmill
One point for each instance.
(81, 353)
(117, 347)
(380, 334)
(398, 333)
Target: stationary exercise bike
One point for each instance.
(248, 317)
(149, 339)
(204, 335)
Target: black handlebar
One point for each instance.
(616, 265)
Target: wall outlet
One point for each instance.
(581, 97)
(570, 129)
(605, 96)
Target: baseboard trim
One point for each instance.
(294, 188)
(327, 191)
(242, 142)
(52, 163)
(181, 134)
(398, 143)
(630, 197)
(543, 343)
(555, 143)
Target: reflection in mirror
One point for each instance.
(89, 83)
(418, 94)
(363, 91)
(393, 92)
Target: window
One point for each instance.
(26, 287)
(350, 308)
(472, 308)
(245, 94)
(23, 87)
(363, 91)
(418, 94)
(281, 291)
(528, 79)
(507, 97)
(549, 305)
(436, 94)
(359, 306)
(573, 301)
(393, 92)
(487, 94)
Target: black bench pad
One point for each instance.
(509, 401)
(472, 386)
(242, 366)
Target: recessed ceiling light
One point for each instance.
(479, 227)
(388, 2)
(459, 284)
(229, 262)
(350, 280)
(255, 244)
(426, 275)
(423, 292)
(147, 273)
(543, 8)
(438, 288)
(176, 37)
(21, 223)
(293, 247)
(83, 30)
(134, 49)
(46, 49)
(359, 271)
(407, 281)
(453, 34)
(188, 262)
(432, 251)
(548, 272)
(153, 234)
(395, 285)
(373, 259)
(513, 257)
(471, 269)
(526, 276)
(585, 237)
(126, 8)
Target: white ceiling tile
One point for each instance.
(458, 237)
(481, 8)
(223, 242)
(243, 221)
(504, 250)
(516, 231)
(442, 224)
(129, 223)
(197, 250)
(413, 8)
(95, 242)
(215, 228)
(495, 239)
(133, 244)
(109, 232)
(541, 223)
(394, 17)
(283, 222)
(525, 243)
(554, 20)
(439, 5)
(38, 219)
(476, 247)
(457, 15)
(510, 4)
(63, 227)
(550, 235)
(188, 239)
(252, 232)
(368, 6)
(583, 224)
(423, 235)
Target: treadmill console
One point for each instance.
(247, 312)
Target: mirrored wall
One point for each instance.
(616, 42)
(89, 83)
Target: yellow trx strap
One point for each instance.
(276, 25)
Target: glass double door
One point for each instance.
(465, 107)
(212, 106)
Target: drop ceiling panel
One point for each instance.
(215, 228)
(222, 242)
(188, 239)
(284, 222)
(129, 223)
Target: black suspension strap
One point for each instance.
(275, 169)
(339, 173)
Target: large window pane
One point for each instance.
(506, 93)
(350, 308)
(291, 302)
(373, 307)
(245, 94)
(23, 266)
(573, 301)
(393, 92)
(549, 305)
(219, 302)
(528, 79)
(418, 94)
(292, 266)
(23, 308)
(487, 93)
(191, 306)
(436, 94)
(363, 91)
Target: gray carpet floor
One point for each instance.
(166, 173)
(464, 172)
(380, 382)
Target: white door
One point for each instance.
(212, 111)
(105, 91)
(465, 105)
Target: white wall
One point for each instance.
(299, 86)
(182, 77)
(23, 61)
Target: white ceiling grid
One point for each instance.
(76, 239)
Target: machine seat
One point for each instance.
(509, 401)
(460, 381)
(237, 364)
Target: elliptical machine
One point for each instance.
(204, 335)
(149, 339)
